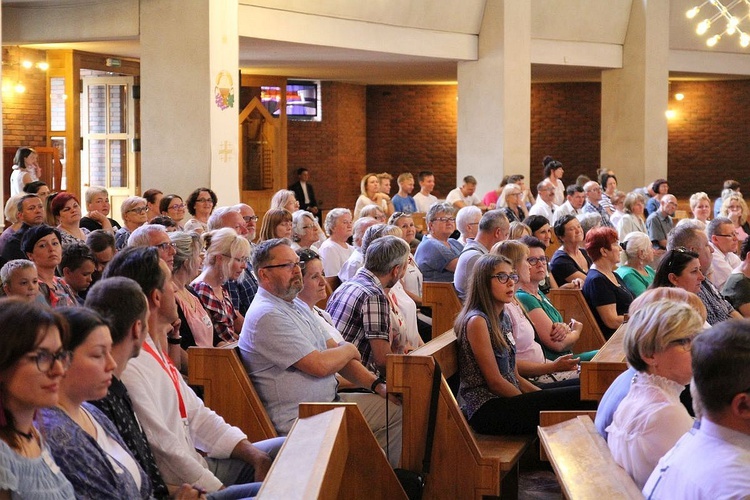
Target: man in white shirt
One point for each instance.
(724, 241)
(424, 199)
(713, 459)
(545, 195)
(464, 195)
(175, 420)
(573, 205)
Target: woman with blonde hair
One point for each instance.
(11, 215)
(700, 205)
(277, 223)
(651, 418)
(195, 322)
(285, 199)
(735, 209)
(518, 230)
(511, 201)
(635, 271)
(633, 220)
(370, 194)
(226, 257)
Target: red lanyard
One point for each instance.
(172, 373)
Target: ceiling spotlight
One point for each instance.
(679, 97)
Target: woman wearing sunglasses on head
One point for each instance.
(226, 258)
(32, 365)
(492, 395)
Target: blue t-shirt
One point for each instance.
(404, 204)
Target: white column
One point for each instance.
(494, 97)
(635, 98)
(190, 96)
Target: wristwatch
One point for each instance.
(378, 381)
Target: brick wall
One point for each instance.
(334, 148)
(24, 115)
(398, 139)
(708, 138)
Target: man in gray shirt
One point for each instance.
(493, 227)
(659, 223)
(290, 357)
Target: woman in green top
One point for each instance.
(635, 270)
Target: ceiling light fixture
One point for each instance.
(734, 13)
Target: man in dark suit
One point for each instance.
(305, 194)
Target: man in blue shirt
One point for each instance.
(403, 202)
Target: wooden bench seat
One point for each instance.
(582, 462)
(228, 391)
(331, 453)
(442, 298)
(464, 464)
(599, 373)
(572, 304)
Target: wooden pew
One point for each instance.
(331, 453)
(228, 390)
(464, 464)
(442, 298)
(572, 304)
(599, 373)
(582, 462)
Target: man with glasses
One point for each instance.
(154, 235)
(493, 228)
(291, 358)
(544, 205)
(713, 459)
(660, 223)
(723, 239)
(243, 290)
(593, 192)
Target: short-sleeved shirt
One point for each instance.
(404, 204)
(469, 255)
(333, 256)
(634, 280)
(360, 311)
(424, 201)
(276, 334)
(432, 256)
(456, 195)
(563, 265)
(737, 290)
(589, 207)
(658, 226)
(600, 291)
(33, 478)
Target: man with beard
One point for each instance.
(290, 357)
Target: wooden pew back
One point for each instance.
(572, 304)
(228, 390)
(464, 464)
(582, 461)
(330, 452)
(442, 298)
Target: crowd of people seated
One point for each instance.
(100, 313)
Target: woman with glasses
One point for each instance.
(492, 395)
(735, 209)
(304, 230)
(511, 201)
(133, 211)
(32, 365)
(43, 246)
(84, 442)
(651, 418)
(66, 209)
(737, 288)
(200, 204)
(277, 223)
(226, 257)
(679, 268)
(634, 269)
(173, 207)
(605, 292)
(437, 255)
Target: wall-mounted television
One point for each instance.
(302, 100)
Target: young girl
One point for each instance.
(32, 365)
(493, 396)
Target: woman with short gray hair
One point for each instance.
(304, 230)
(437, 255)
(335, 250)
(635, 271)
(133, 211)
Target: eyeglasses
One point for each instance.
(163, 247)
(204, 200)
(733, 235)
(249, 218)
(289, 266)
(685, 343)
(445, 219)
(45, 359)
(472, 224)
(177, 207)
(139, 210)
(243, 260)
(536, 260)
(503, 278)
(594, 190)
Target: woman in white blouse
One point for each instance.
(651, 418)
(633, 220)
(335, 250)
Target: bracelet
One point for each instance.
(378, 381)
(174, 340)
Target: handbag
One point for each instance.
(413, 482)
